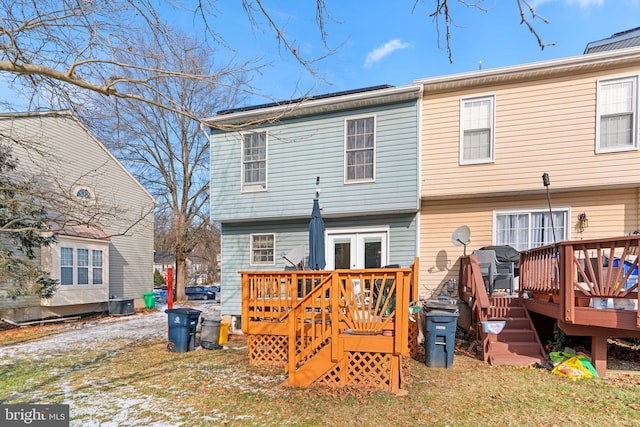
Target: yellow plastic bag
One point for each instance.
(576, 368)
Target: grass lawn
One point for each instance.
(142, 384)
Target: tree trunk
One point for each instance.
(181, 275)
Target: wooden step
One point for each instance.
(515, 353)
(514, 322)
(312, 370)
(516, 335)
(515, 360)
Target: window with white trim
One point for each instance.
(254, 161)
(83, 266)
(66, 266)
(96, 267)
(360, 144)
(530, 229)
(477, 130)
(617, 120)
(263, 248)
(77, 269)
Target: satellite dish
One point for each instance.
(294, 256)
(461, 236)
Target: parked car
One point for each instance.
(200, 292)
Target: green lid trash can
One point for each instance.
(150, 300)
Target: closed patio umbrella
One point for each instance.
(316, 239)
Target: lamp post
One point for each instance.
(546, 183)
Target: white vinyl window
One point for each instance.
(263, 248)
(530, 229)
(66, 266)
(83, 266)
(617, 121)
(96, 267)
(76, 268)
(254, 161)
(360, 144)
(477, 130)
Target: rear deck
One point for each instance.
(568, 283)
(342, 327)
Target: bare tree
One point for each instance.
(168, 152)
(61, 49)
(443, 15)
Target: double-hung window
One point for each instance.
(96, 267)
(83, 266)
(530, 229)
(477, 130)
(617, 119)
(360, 144)
(263, 248)
(254, 161)
(66, 266)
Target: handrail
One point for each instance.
(595, 268)
(588, 264)
(471, 281)
(367, 301)
(480, 303)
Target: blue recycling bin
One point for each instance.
(633, 277)
(182, 329)
(440, 334)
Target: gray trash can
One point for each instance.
(210, 334)
(440, 335)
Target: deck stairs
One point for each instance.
(518, 344)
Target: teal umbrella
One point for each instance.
(316, 239)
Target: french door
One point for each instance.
(357, 250)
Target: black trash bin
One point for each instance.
(182, 329)
(210, 334)
(440, 335)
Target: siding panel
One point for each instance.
(541, 126)
(301, 149)
(289, 234)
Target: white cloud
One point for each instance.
(380, 52)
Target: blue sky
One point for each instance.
(383, 42)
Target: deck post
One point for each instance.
(599, 354)
(567, 293)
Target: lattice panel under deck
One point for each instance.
(332, 378)
(370, 369)
(270, 350)
(414, 331)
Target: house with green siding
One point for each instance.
(358, 152)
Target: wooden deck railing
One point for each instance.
(270, 296)
(317, 317)
(597, 270)
(365, 301)
(472, 288)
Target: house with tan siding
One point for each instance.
(489, 135)
(101, 215)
